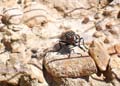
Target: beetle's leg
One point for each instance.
(70, 52)
(79, 45)
(69, 55)
(83, 43)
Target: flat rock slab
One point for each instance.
(100, 54)
(62, 66)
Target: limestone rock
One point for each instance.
(2, 48)
(8, 3)
(94, 81)
(12, 15)
(4, 57)
(36, 15)
(74, 82)
(26, 80)
(36, 73)
(115, 66)
(99, 53)
(115, 82)
(117, 48)
(111, 49)
(17, 47)
(104, 3)
(71, 4)
(98, 34)
(62, 66)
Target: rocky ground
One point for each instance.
(29, 29)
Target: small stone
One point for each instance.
(107, 13)
(4, 57)
(15, 37)
(109, 26)
(98, 28)
(74, 82)
(97, 16)
(104, 3)
(99, 53)
(2, 48)
(62, 66)
(117, 48)
(8, 3)
(115, 31)
(36, 73)
(108, 40)
(111, 50)
(25, 80)
(98, 34)
(96, 81)
(85, 20)
(17, 47)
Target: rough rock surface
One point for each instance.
(99, 53)
(75, 66)
(30, 28)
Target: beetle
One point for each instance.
(69, 38)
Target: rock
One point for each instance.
(115, 31)
(12, 15)
(70, 4)
(106, 13)
(62, 66)
(96, 81)
(98, 34)
(109, 25)
(114, 2)
(26, 80)
(104, 3)
(22, 57)
(4, 57)
(99, 53)
(98, 27)
(8, 3)
(8, 70)
(108, 39)
(36, 15)
(117, 48)
(115, 82)
(85, 20)
(2, 48)
(111, 49)
(15, 36)
(114, 65)
(17, 47)
(36, 73)
(74, 82)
